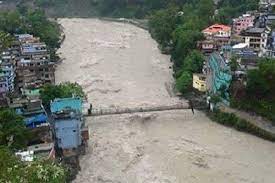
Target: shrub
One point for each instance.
(50, 92)
(230, 119)
(184, 82)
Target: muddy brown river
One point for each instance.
(119, 65)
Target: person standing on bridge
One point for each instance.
(191, 106)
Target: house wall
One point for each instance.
(8, 76)
(223, 34)
(3, 87)
(257, 43)
(68, 133)
(35, 70)
(199, 82)
(207, 46)
(242, 23)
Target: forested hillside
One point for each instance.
(123, 8)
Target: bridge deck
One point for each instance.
(115, 111)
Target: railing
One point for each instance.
(115, 111)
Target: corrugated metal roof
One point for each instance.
(35, 120)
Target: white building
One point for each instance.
(256, 39)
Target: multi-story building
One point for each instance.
(264, 2)
(242, 23)
(69, 126)
(256, 39)
(27, 38)
(7, 73)
(34, 68)
(219, 33)
(207, 46)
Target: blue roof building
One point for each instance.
(36, 120)
(66, 104)
(68, 133)
(68, 122)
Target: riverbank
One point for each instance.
(141, 23)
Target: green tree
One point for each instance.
(184, 82)
(234, 63)
(162, 24)
(5, 40)
(33, 22)
(194, 62)
(10, 22)
(229, 9)
(13, 170)
(185, 41)
(260, 90)
(215, 99)
(50, 92)
(13, 132)
(206, 10)
(40, 26)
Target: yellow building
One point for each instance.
(199, 82)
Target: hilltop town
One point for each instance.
(233, 53)
(59, 127)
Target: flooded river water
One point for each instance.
(119, 65)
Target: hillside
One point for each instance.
(118, 8)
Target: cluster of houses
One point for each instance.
(249, 37)
(56, 132)
(25, 67)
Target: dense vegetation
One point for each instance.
(14, 136)
(32, 22)
(5, 40)
(228, 9)
(50, 92)
(14, 170)
(13, 133)
(259, 94)
(231, 120)
(178, 30)
(129, 8)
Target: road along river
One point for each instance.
(119, 65)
